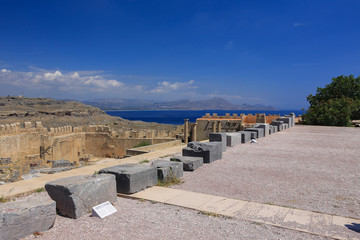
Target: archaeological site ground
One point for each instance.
(222, 177)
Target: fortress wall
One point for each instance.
(271, 118)
(70, 147)
(23, 147)
(102, 145)
(23, 152)
(249, 119)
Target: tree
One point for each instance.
(336, 104)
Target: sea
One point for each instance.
(177, 117)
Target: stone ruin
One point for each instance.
(29, 149)
(201, 129)
(76, 196)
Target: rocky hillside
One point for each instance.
(55, 113)
(26, 107)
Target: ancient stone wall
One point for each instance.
(228, 123)
(29, 146)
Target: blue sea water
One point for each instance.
(177, 117)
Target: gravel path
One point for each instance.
(305, 167)
(310, 168)
(145, 220)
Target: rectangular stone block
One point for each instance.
(19, 219)
(259, 131)
(245, 136)
(273, 129)
(254, 135)
(132, 178)
(168, 169)
(233, 139)
(264, 126)
(210, 151)
(75, 196)
(218, 137)
(278, 124)
(292, 115)
(189, 163)
(285, 126)
(286, 120)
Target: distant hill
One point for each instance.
(56, 113)
(24, 107)
(209, 104)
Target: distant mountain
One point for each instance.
(209, 104)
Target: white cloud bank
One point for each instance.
(82, 82)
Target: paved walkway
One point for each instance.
(305, 221)
(30, 185)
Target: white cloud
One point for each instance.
(166, 87)
(56, 79)
(97, 82)
(52, 76)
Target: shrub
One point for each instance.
(336, 104)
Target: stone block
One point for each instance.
(189, 163)
(292, 115)
(286, 120)
(75, 196)
(218, 137)
(253, 135)
(290, 121)
(168, 169)
(210, 151)
(61, 163)
(245, 136)
(285, 126)
(273, 129)
(278, 124)
(259, 131)
(264, 126)
(132, 178)
(22, 218)
(233, 139)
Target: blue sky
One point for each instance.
(266, 52)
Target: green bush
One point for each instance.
(336, 104)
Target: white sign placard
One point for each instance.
(103, 210)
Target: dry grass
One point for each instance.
(170, 181)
